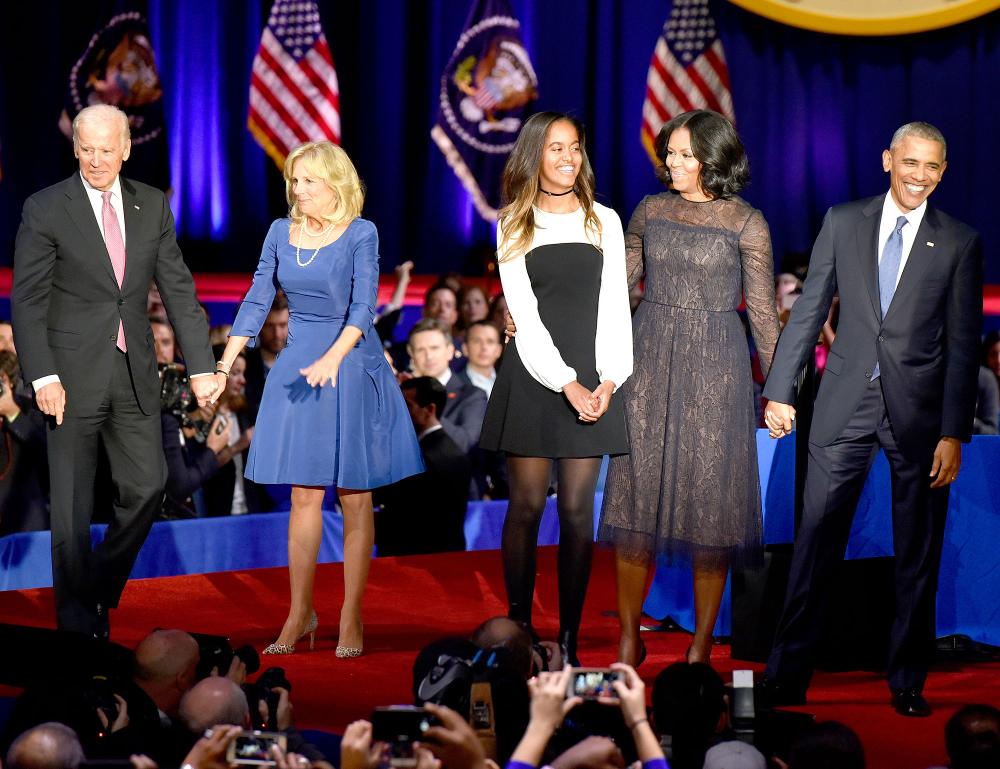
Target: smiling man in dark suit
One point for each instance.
(901, 376)
(85, 253)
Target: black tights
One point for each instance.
(529, 482)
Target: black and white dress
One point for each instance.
(569, 300)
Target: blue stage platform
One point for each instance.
(970, 569)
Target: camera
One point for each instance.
(99, 695)
(399, 726)
(216, 652)
(177, 398)
(593, 684)
(260, 691)
(254, 748)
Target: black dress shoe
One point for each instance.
(910, 702)
(567, 645)
(771, 693)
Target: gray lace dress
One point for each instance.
(690, 483)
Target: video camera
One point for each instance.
(177, 398)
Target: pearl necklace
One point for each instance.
(298, 245)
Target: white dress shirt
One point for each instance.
(890, 214)
(613, 345)
(484, 383)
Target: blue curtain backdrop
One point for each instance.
(814, 110)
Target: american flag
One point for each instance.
(294, 97)
(688, 70)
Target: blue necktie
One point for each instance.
(888, 269)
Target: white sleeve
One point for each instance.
(613, 346)
(535, 347)
(39, 383)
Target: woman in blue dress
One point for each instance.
(331, 413)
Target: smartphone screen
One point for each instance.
(593, 683)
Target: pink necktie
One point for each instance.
(116, 250)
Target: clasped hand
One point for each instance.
(779, 418)
(590, 406)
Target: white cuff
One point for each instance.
(38, 384)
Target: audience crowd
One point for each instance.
(492, 699)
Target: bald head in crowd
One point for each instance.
(215, 700)
(165, 667)
(46, 746)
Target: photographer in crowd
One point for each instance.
(23, 464)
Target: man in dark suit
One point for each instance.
(270, 342)
(431, 351)
(85, 253)
(901, 376)
(425, 513)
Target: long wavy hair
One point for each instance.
(519, 185)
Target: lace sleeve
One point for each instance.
(634, 267)
(758, 286)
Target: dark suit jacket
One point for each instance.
(463, 414)
(927, 345)
(66, 302)
(425, 513)
(24, 478)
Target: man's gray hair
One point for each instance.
(97, 112)
(46, 746)
(921, 130)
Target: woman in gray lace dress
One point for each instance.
(690, 486)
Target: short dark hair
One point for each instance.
(829, 745)
(688, 700)
(972, 737)
(438, 287)
(482, 324)
(280, 301)
(427, 391)
(430, 324)
(10, 367)
(725, 169)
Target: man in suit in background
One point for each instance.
(901, 376)
(431, 352)
(425, 513)
(85, 253)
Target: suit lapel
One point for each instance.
(82, 214)
(919, 259)
(867, 250)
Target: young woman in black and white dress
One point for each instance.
(562, 266)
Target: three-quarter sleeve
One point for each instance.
(257, 303)
(364, 282)
(758, 286)
(535, 347)
(634, 235)
(613, 346)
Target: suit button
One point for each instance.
(881, 338)
(868, 374)
(122, 301)
(112, 339)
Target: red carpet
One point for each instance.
(411, 601)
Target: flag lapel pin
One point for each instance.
(930, 243)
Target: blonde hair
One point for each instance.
(335, 169)
(519, 186)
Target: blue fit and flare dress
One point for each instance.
(357, 434)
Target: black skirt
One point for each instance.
(526, 418)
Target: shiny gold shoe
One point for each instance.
(348, 652)
(277, 648)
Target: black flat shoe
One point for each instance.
(911, 703)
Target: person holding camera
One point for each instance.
(23, 478)
(331, 413)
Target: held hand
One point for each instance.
(210, 751)
(601, 399)
(947, 461)
(205, 389)
(779, 418)
(51, 400)
(220, 381)
(322, 371)
(218, 437)
(284, 714)
(580, 399)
